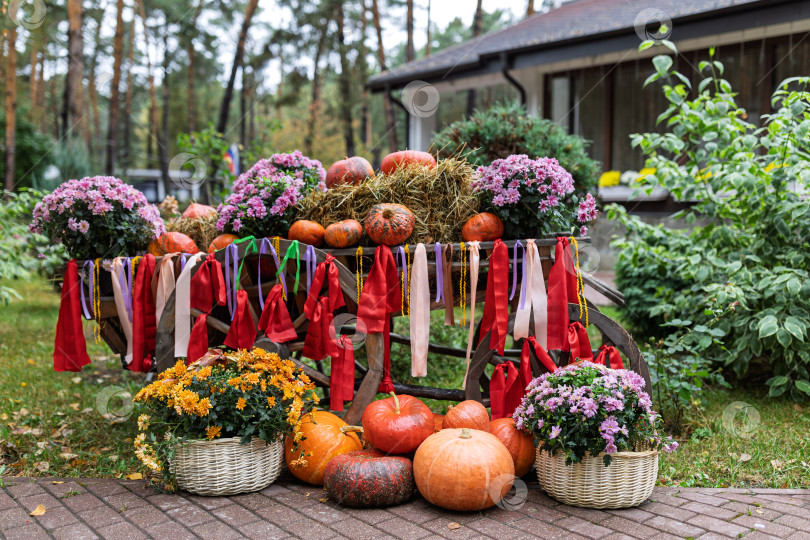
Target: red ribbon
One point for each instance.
(381, 296)
(496, 305)
(610, 357)
(341, 382)
(208, 285)
(70, 348)
(531, 344)
(242, 333)
(144, 324)
(578, 343)
(319, 343)
(275, 319)
(198, 339)
(562, 289)
(504, 396)
(326, 270)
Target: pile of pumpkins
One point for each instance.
(460, 461)
(177, 242)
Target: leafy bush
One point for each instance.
(32, 153)
(507, 129)
(752, 257)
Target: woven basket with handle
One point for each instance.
(226, 467)
(627, 481)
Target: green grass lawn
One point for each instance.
(53, 423)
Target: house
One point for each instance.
(579, 65)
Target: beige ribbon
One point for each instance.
(474, 259)
(533, 298)
(117, 272)
(420, 312)
(165, 284)
(182, 307)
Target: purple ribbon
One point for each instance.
(403, 260)
(86, 311)
(311, 260)
(183, 258)
(515, 265)
(437, 253)
(266, 243)
(231, 267)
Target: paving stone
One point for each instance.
(215, 530)
(763, 526)
(279, 514)
(55, 518)
(125, 501)
(309, 529)
(100, 517)
(262, 529)
(14, 517)
(77, 531)
(45, 499)
(619, 536)
(665, 536)
(189, 515)
(107, 488)
(723, 513)
(59, 490)
(413, 512)
(674, 526)
(25, 489)
(209, 503)
(628, 526)
(634, 514)
(146, 516)
(235, 515)
(538, 511)
(761, 512)
(798, 523)
(369, 515)
(120, 531)
(541, 529)
(702, 498)
(798, 535)
(167, 502)
(712, 536)
(438, 527)
(355, 528)
(31, 531)
(325, 513)
(785, 508)
(665, 498)
(85, 501)
(7, 502)
(401, 528)
(171, 530)
(755, 535)
(588, 514)
(661, 509)
(251, 501)
(583, 527)
(506, 515)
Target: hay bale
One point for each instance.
(201, 230)
(441, 199)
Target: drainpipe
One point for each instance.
(407, 115)
(506, 63)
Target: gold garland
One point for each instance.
(583, 302)
(462, 283)
(134, 262)
(96, 300)
(406, 291)
(358, 255)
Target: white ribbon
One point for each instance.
(533, 299)
(474, 258)
(420, 312)
(182, 307)
(118, 269)
(165, 285)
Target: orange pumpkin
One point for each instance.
(172, 242)
(353, 170)
(325, 436)
(389, 224)
(483, 227)
(463, 469)
(398, 424)
(222, 241)
(343, 234)
(198, 211)
(307, 232)
(437, 421)
(467, 414)
(395, 160)
(519, 443)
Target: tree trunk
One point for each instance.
(33, 83)
(237, 62)
(163, 144)
(93, 91)
(309, 139)
(73, 112)
(40, 95)
(429, 38)
(243, 107)
(362, 63)
(410, 54)
(252, 110)
(153, 110)
(476, 31)
(345, 85)
(530, 8)
(118, 58)
(192, 53)
(390, 125)
(126, 154)
(11, 106)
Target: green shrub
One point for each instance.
(506, 129)
(752, 258)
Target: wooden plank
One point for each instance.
(375, 351)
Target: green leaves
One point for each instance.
(767, 326)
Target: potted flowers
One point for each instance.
(217, 426)
(263, 199)
(533, 195)
(96, 217)
(599, 437)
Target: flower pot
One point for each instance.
(226, 467)
(627, 481)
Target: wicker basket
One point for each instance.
(627, 481)
(225, 467)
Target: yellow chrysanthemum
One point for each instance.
(271, 401)
(203, 407)
(213, 432)
(143, 422)
(240, 404)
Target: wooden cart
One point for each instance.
(477, 383)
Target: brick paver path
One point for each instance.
(122, 509)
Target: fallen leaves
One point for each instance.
(744, 458)
(76, 380)
(42, 466)
(453, 525)
(135, 476)
(38, 511)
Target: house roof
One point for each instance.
(577, 21)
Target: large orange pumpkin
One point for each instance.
(343, 234)
(398, 424)
(307, 232)
(353, 170)
(519, 443)
(482, 227)
(172, 242)
(467, 414)
(222, 241)
(395, 160)
(325, 436)
(437, 421)
(389, 224)
(463, 469)
(198, 211)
